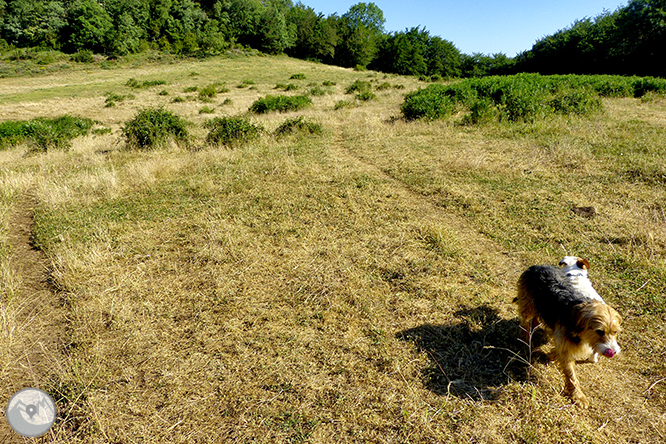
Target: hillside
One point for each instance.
(348, 285)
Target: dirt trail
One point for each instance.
(40, 318)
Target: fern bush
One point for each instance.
(155, 128)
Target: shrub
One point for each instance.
(317, 91)
(231, 131)
(298, 125)
(579, 102)
(12, 133)
(154, 128)
(287, 87)
(365, 96)
(298, 76)
(344, 104)
(430, 103)
(44, 134)
(208, 92)
(482, 111)
(83, 56)
(359, 86)
(112, 98)
(523, 97)
(280, 103)
(134, 83)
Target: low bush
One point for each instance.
(519, 98)
(154, 128)
(44, 134)
(84, 56)
(280, 103)
(298, 125)
(359, 86)
(134, 83)
(208, 92)
(231, 131)
(428, 103)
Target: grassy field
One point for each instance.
(353, 285)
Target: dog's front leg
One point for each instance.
(571, 384)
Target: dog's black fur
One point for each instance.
(553, 295)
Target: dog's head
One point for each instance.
(598, 324)
(574, 265)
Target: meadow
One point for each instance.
(342, 274)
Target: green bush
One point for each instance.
(280, 103)
(482, 111)
(429, 103)
(231, 131)
(83, 56)
(298, 76)
(44, 134)
(298, 125)
(154, 128)
(365, 96)
(359, 86)
(522, 97)
(578, 101)
(134, 83)
(207, 92)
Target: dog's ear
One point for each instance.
(583, 264)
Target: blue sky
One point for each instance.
(484, 26)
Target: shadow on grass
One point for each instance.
(475, 357)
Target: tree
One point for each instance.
(29, 23)
(88, 26)
(274, 34)
(361, 29)
(315, 38)
(130, 20)
(443, 58)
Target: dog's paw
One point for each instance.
(580, 399)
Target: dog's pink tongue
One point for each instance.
(609, 353)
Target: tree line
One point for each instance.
(628, 41)
(631, 40)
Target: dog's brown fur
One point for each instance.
(578, 326)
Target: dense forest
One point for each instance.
(630, 40)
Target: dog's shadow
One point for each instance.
(476, 356)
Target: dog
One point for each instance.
(576, 270)
(579, 324)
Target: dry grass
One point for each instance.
(350, 287)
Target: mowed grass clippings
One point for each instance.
(355, 286)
